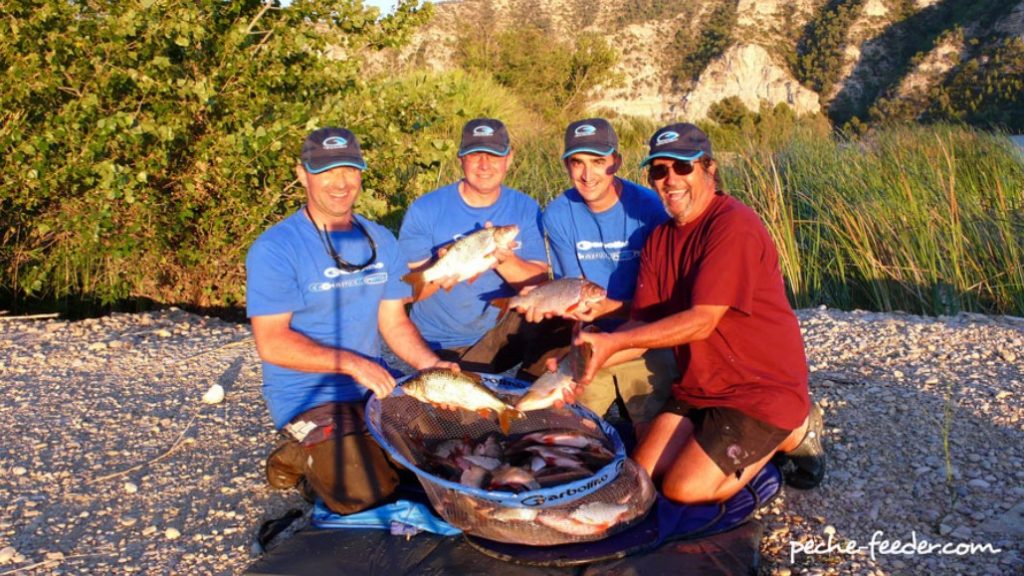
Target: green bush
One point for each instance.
(146, 142)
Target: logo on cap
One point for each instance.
(584, 130)
(483, 131)
(666, 138)
(334, 142)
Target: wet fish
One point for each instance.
(572, 438)
(553, 386)
(512, 477)
(560, 297)
(465, 390)
(465, 259)
(586, 520)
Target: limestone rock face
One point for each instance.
(748, 72)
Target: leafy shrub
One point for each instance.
(145, 142)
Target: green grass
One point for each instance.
(924, 219)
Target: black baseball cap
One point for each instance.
(593, 135)
(484, 135)
(681, 141)
(328, 148)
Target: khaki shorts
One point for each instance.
(644, 385)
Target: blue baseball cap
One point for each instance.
(328, 148)
(681, 141)
(484, 135)
(593, 136)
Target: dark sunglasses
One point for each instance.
(338, 260)
(680, 167)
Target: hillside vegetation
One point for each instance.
(146, 143)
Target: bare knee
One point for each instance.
(689, 492)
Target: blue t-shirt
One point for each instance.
(288, 269)
(462, 316)
(603, 247)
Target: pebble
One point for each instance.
(19, 470)
(7, 554)
(130, 488)
(93, 414)
(172, 534)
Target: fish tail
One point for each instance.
(506, 417)
(415, 279)
(502, 305)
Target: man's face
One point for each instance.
(685, 195)
(333, 193)
(485, 172)
(594, 178)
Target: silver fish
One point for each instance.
(552, 386)
(560, 297)
(465, 259)
(465, 390)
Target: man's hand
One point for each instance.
(603, 345)
(371, 375)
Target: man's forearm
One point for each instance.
(690, 325)
(521, 273)
(405, 341)
(291, 349)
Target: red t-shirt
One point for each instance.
(754, 361)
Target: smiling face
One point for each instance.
(331, 194)
(484, 172)
(686, 196)
(594, 178)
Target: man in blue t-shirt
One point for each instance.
(454, 320)
(322, 288)
(596, 230)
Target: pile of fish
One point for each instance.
(625, 500)
(529, 462)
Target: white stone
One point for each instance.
(130, 488)
(215, 395)
(7, 554)
(172, 534)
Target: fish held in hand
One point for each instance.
(465, 259)
(465, 390)
(557, 385)
(559, 297)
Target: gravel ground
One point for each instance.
(111, 463)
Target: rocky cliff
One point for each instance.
(883, 48)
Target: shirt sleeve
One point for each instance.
(396, 267)
(563, 249)
(414, 238)
(272, 285)
(531, 236)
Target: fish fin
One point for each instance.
(506, 417)
(415, 279)
(572, 307)
(502, 305)
(472, 278)
(474, 376)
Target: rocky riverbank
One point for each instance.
(111, 463)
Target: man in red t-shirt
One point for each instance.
(710, 288)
